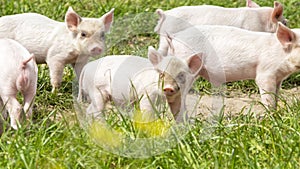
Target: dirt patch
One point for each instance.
(205, 105)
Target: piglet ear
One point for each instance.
(195, 63)
(72, 19)
(107, 19)
(33, 57)
(162, 17)
(154, 56)
(285, 36)
(171, 49)
(251, 4)
(277, 12)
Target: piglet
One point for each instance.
(232, 54)
(18, 73)
(263, 19)
(58, 43)
(125, 79)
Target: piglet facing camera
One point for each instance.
(127, 79)
(58, 43)
(18, 73)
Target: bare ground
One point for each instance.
(237, 102)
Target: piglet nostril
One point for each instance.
(169, 90)
(96, 51)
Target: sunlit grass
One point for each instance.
(55, 139)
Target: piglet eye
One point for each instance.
(83, 34)
(181, 78)
(285, 22)
(102, 35)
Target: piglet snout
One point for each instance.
(169, 90)
(96, 51)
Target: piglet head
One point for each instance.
(168, 83)
(89, 33)
(179, 75)
(290, 42)
(184, 71)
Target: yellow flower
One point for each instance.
(104, 135)
(150, 127)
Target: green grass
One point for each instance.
(54, 138)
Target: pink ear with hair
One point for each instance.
(277, 12)
(251, 4)
(195, 63)
(72, 19)
(285, 36)
(108, 19)
(154, 56)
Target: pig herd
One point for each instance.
(216, 43)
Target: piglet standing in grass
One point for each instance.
(125, 79)
(263, 19)
(58, 43)
(232, 54)
(18, 73)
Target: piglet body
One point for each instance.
(58, 43)
(231, 54)
(18, 73)
(126, 78)
(263, 19)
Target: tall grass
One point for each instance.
(55, 139)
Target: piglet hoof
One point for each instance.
(54, 90)
(28, 117)
(14, 126)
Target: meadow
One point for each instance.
(55, 139)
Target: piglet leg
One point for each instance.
(14, 109)
(56, 69)
(268, 90)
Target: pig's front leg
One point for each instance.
(268, 90)
(278, 86)
(56, 68)
(78, 67)
(178, 108)
(151, 105)
(182, 114)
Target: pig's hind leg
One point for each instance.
(3, 110)
(28, 103)
(14, 109)
(99, 98)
